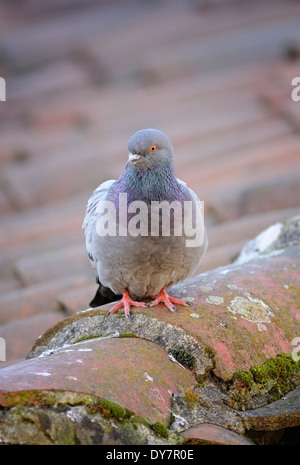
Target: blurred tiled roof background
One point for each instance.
(83, 76)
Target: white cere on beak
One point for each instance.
(133, 156)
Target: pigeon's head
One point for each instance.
(149, 147)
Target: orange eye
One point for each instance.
(153, 148)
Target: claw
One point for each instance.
(165, 298)
(125, 302)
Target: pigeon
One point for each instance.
(138, 229)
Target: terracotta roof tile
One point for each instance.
(39, 298)
(22, 333)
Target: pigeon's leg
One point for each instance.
(165, 298)
(125, 302)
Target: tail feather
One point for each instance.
(103, 296)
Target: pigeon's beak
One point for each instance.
(132, 159)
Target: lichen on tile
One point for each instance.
(251, 309)
(214, 299)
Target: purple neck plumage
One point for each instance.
(158, 183)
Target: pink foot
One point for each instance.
(165, 298)
(125, 302)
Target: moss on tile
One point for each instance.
(127, 334)
(245, 378)
(34, 424)
(183, 358)
(279, 368)
(200, 380)
(264, 383)
(109, 409)
(160, 430)
(191, 397)
(85, 338)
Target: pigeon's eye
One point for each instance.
(153, 148)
